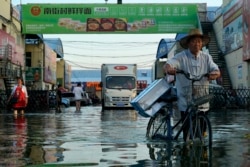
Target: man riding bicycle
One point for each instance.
(195, 62)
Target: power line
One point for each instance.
(107, 47)
(105, 56)
(108, 43)
(98, 66)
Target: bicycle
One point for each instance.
(171, 154)
(160, 126)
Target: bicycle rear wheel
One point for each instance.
(157, 126)
(200, 130)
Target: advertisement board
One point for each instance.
(49, 65)
(33, 74)
(232, 25)
(246, 30)
(108, 18)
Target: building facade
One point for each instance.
(12, 58)
(28, 56)
(233, 36)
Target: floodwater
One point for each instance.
(116, 138)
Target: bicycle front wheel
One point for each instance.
(157, 126)
(200, 129)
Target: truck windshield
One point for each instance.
(120, 82)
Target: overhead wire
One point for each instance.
(147, 61)
(91, 46)
(106, 56)
(141, 64)
(86, 49)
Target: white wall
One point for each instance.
(238, 69)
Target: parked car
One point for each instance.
(65, 102)
(70, 95)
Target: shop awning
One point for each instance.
(163, 47)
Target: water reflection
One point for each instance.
(113, 115)
(13, 141)
(230, 146)
(182, 155)
(116, 138)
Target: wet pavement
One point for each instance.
(94, 137)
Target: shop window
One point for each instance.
(28, 59)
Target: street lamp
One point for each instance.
(119, 1)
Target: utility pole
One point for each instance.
(119, 1)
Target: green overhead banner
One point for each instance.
(108, 18)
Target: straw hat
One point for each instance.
(194, 33)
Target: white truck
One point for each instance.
(118, 82)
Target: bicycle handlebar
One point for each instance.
(190, 77)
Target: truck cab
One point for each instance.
(119, 86)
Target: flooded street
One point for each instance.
(94, 137)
